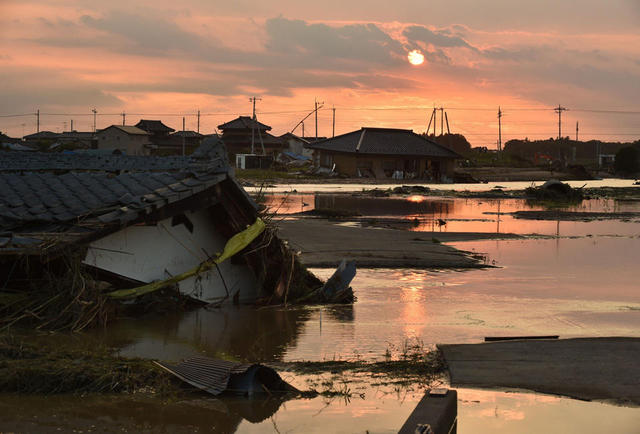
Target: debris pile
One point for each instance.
(554, 190)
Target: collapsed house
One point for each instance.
(177, 222)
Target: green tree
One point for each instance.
(627, 161)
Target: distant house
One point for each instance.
(296, 144)
(155, 128)
(244, 134)
(127, 139)
(6, 139)
(40, 139)
(190, 140)
(385, 153)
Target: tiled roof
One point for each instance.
(41, 161)
(153, 126)
(384, 141)
(187, 133)
(243, 123)
(129, 129)
(41, 135)
(46, 197)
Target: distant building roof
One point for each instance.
(153, 126)
(129, 129)
(41, 135)
(187, 133)
(77, 134)
(384, 141)
(287, 136)
(244, 123)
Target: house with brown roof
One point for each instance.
(245, 135)
(126, 139)
(385, 153)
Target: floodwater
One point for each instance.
(580, 280)
(449, 214)
(349, 188)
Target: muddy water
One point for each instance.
(584, 286)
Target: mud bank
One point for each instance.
(575, 215)
(323, 244)
(591, 368)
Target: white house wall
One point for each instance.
(151, 253)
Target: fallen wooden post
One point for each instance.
(436, 413)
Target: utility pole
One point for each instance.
(123, 118)
(559, 110)
(38, 121)
(333, 128)
(183, 137)
(499, 129)
(302, 129)
(198, 122)
(446, 118)
(430, 120)
(441, 120)
(316, 110)
(94, 111)
(71, 124)
(576, 131)
(253, 124)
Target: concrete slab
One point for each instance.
(325, 244)
(605, 369)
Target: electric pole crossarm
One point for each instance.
(559, 110)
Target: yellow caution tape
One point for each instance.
(235, 244)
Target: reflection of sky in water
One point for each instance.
(571, 287)
(424, 213)
(348, 188)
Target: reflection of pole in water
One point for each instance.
(498, 227)
(558, 236)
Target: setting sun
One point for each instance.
(415, 57)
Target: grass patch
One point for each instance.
(412, 363)
(48, 365)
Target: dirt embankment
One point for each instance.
(325, 244)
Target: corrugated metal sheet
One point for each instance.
(217, 376)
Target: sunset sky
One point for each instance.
(166, 59)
